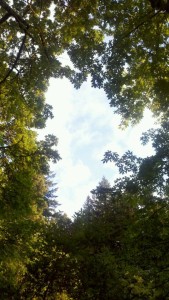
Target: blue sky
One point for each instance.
(86, 127)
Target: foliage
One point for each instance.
(23, 198)
(152, 171)
(121, 44)
(119, 239)
(49, 272)
(131, 62)
(117, 245)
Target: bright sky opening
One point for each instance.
(86, 128)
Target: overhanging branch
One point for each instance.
(22, 23)
(162, 5)
(16, 60)
(5, 17)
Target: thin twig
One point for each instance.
(140, 24)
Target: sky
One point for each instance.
(86, 128)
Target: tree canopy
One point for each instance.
(116, 247)
(122, 45)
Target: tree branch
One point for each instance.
(160, 5)
(142, 23)
(5, 17)
(127, 35)
(44, 46)
(16, 60)
(11, 146)
(22, 23)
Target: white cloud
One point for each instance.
(75, 183)
(75, 173)
(86, 128)
(74, 177)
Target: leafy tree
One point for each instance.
(115, 247)
(152, 171)
(24, 161)
(98, 234)
(131, 62)
(121, 44)
(50, 269)
(24, 164)
(120, 236)
(147, 239)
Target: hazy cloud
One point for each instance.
(86, 128)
